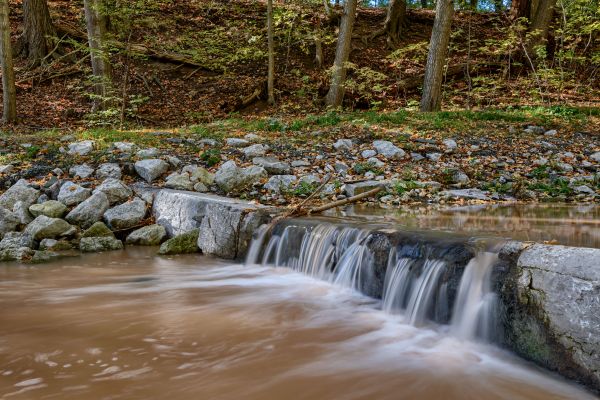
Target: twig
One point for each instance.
(349, 200)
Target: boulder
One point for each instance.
(115, 190)
(8, 221)
(473, 194)
(20, 191)
(98, 229)
(151, 235)
(22, 213)
(55, 245)
(353, 189)
(15, 240)
(231, 178)
(388, 150)
(45, 227)
(272, 165)
(124, 147)
(199, 174)
(279, 183)
(108, 170)
(343, 144)
(90, 211)
(450, 144)
(256, 150)
(71, 194)
(97, 244)
(50, 208)
(44, 256)
(6, 169)
(181, 244)
(82, 148)
(126, 215)
(236, 142)
(179, 182)
(595, 156)
(82, 171)
(151, 169)
(16, 254)
(148, 153)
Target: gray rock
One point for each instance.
(279, 183)
(551, 132)
(144, 191)
(200, 187)
(124, 147)
(368, 153)
(252, 137)
(341, 168)
(108, 170)
(565, 167)
(231, 178)
(179, 182)
(6, 169)
(22, 213)
(174, 161)
(435, 157)
(16, 240)
(151, 235)
(376, 162)
(44, 256)
(20, 191)
(82, 171)
(71, 194)
(82, 148)
(90, 211)
(50, 208)
(115, 190)
(16, 254)
(98, 229)
(538, 130)
(256, 150)
(236, 142)
(456, 176)
(126, 215)
(388, 150)
(55, 245)
(450, 144)
(181, 244)
(309, 179)
(596, 156)
(416, 156)
(352, 189)
(98, 244)
(199, 174)
(343, 144)
(151, 169)
(474, 194)
(48, 228)
(148, 153)
(300, 163)
(584, 189)
(272, 165)
(8, 221)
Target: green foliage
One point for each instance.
(363, 168)
(555, 188)
(364, 83)
(304, 189)
(401, 187)
(211, 157)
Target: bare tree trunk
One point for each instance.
(540, 24)
(39, 36)
(436, 59)
(96, 23)
(335, 96)
(394, 22)
(520, 9)
(318, 50)
(9, 92)
(271, 73)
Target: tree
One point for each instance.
(97, 27)
(39, 36)
(436, 59)
(9, 92)
(335, 96)
(540, 23)
(394, 22)
(271, 73)
(520, 9)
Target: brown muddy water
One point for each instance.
(129, 325)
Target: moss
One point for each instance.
(181, 244)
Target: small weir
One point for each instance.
(421, 278)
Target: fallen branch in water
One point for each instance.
(349, 200)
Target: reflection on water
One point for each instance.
(127, 325)
(571, 225)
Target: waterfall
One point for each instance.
(417, 280)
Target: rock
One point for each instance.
(8, 221)
(55, 245)
(416, 156)
(82, 171)
(115, 190)
(82, 148)
(44, 256)
(71, 194)
(565, 167)
(343, 144)
(97, 244)
(144, 191)
(236, 142)
(16, 240)
(309, 180)
(151, 235)
(540, 161)
(435, 157)
(126, 215)
(108, 170)
(22, 213)
(538, 130)
(376, 162)
(272, 165)
(181, 244)
(179, 182)
(200, 187)
(20, 191)
(98, 229)
(151, 169)
(342, 168)
(596, 156)
(199, 174)
(475, 194)
(124, 147)
(279, 183)
(230, 178)
(42, 199)
(48, 228)
(16, 254)
(90, 211)
(300, 163)
(174, 161)
(256, 150)
(551, 132)
(552, 297)
(368, 153)
(388, 150)
(584, 189)
(67, 138)
(352, 189)
(456, 176)
(6, 169)
(148, 153)
(450, 144)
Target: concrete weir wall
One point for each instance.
(550, 294)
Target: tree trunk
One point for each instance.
(271, 73)
(520, 9)
(96, 23)
(436, 59)
(318, 50)
(39, 36)
(9, 92)
(498, 6)
(335, 96)
(424, 4)
(473, 4)
(394, 22)
(540, 24)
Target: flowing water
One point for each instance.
(129, 325)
